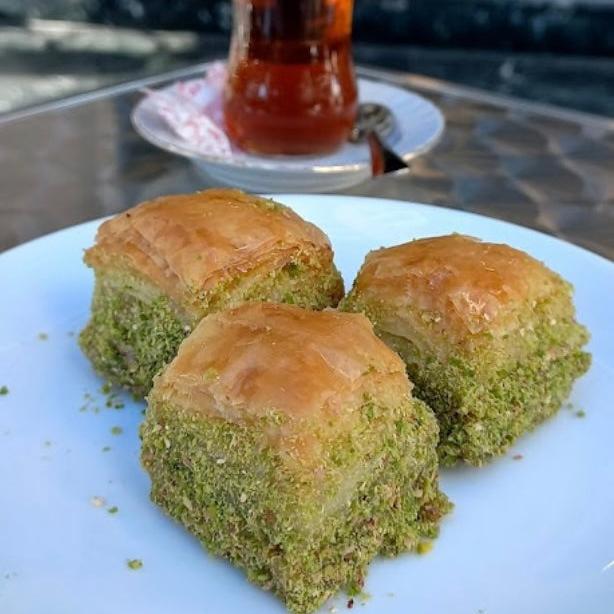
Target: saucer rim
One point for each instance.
(272, 163)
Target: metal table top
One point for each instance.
(532, 164)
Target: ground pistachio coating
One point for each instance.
(302, 531)
(134, 329)
(129, 337)
(481, 419)
(488, 335)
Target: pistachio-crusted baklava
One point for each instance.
(163, 265)
(488, 334)
(288, 442)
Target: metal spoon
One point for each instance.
(374, 122)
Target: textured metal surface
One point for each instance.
(530, 164)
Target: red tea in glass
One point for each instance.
(291, 87)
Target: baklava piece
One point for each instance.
(488, 334)
(288, 442)
(163, 265)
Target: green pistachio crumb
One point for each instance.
(106, 448)
(113, 510)
(43, 336)
(117, 430)
(47, 443)
(364, 597)
(88, 404)
(293, 269)
(106, 388)
(134, 563)
(581, 413)
(210, 375)
(424, 547)
(4, 390)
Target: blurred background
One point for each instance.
(556, 51)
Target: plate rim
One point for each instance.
(334, 197)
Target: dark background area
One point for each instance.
(557, 51)
(515, 25)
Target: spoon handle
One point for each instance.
(377, 154)
(383, 159)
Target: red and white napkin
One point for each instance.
(193, 110)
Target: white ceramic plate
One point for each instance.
(419, 124)
(527, 536)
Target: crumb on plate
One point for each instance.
(424, 547)
(98, 501)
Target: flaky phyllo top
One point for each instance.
(457, 285)
(186, 245)
(304, 374)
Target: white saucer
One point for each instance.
(419, 124)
